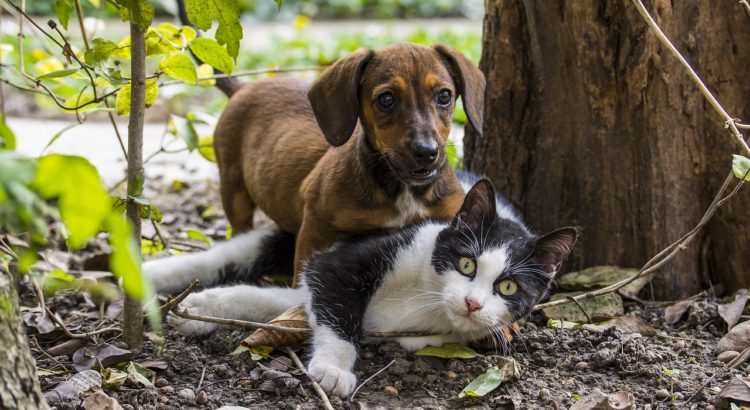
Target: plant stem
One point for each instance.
(133, 313)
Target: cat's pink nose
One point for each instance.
(472, 304)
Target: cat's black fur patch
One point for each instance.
(276, 258)
(343, 280)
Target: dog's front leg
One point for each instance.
(312, 237)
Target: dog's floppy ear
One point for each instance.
(470, 83)
(335, 97)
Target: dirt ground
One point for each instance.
(558, 367)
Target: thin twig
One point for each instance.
(79, 11)
(203, 374)
(703, 386)
(170, 304)
(248, 73)
(739, 359)
(729, 121)
(316, 386)
(747, 6)
(79, 335)
(351, 399)
(588, 318)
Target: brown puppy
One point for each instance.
(361, 149)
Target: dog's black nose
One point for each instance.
(424, 152)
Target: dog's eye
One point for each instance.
(386, 100)
(444, 97)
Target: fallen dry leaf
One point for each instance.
(625, 324)
(598, 400)
(674, 313)
(100, 401)
(598, 277)
(598, 308)
(736, 391)
(732, 311)
(294, 317)
(39, 322)
(74, 386)
(106, 354)
(66, 348)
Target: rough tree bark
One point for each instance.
(19, 386)
(132, 326)
(589, 121)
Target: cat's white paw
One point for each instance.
(332, 379)
(197, 304)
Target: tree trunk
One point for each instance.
(19, 386)
(591, 122)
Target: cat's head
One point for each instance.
(492, 270)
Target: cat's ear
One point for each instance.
(552, 249)
(478, 208)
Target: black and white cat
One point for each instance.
(460, 280)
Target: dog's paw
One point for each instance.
(196, 304)
(333, 379)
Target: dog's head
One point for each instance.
(404, 97)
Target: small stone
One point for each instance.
(244, 382)
(662, 394)
(161, 382)
(400, 367)
(581, 366)
(431, 378)
(336, 401)
(746, 378)
(543, 394)
(680, 345)
(738, 339)
(167, 389)
(186, 394)
(728, 356)
(367, 355)
(604, 357)
(223, 370)
(392, 391)
(450, 375)
(679, 396)
(713, 390)
(202, 397)
(163, 399)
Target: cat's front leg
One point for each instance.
(332, 361)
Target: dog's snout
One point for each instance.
(424, 152)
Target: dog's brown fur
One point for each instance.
(326, 161)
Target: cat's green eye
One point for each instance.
(507, 287)
(467, 266)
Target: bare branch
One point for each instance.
(316, 386)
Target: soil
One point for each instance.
(558, 366)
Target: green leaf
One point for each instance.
(63, 9)
(140, 12)
(183, 128)
(180, 67)
(449, 351)
(122, 100)
(8, 137)
(210, 52)
(259, 353)
(99, 52)
(741, 167)
(198, 235)
(575, 396)
(138, 374)
(485, 383)
(562, 324)
(227, 13)
(58, 74)
(206, 148)
(81, 102)
(279, 3)
(83, 200)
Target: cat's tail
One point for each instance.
(244, 258)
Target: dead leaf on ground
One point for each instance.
(139, 375)
(106, 354)
(155, 364)
(277, 379)
(625, 324)
(598, 400)
(113, 379)
(674, 313)
(506, 370)
(449, 351)
(100, 401)
(38, 322)
(736, 391)
(732, 311)
(598, 308)
(598, 277)
(74, 386)
(294, 317)
(66, 348)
